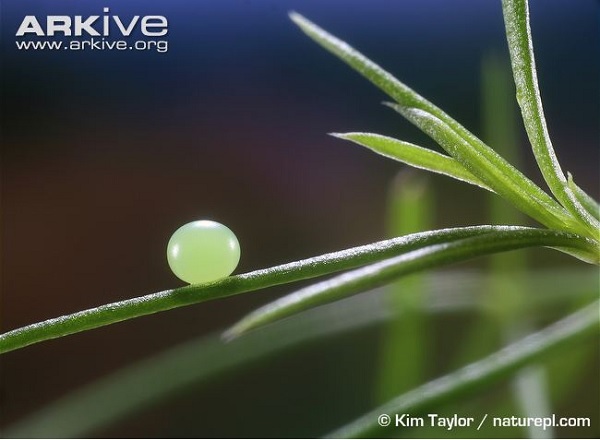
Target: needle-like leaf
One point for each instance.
(518, 33)
(491, 169)
(135, 388)
(473, 377)
(413, 155)
(259, 279)
(473, 152)
(385, 271)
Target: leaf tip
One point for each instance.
(231, 334)
(298, 18)
(404, 110)
(240, 328)
(340, 135)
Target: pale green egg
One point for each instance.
(203, 251)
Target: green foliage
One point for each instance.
(414, 156)
(518, 32)
(195, 363)
(484, 372)
(260, 279)
(377, 274)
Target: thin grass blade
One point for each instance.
(414, 156)
(148, 382)
(135, 388)
(260, 279)
(477, 375)
(385, 271)
(548, 211)
(520, 44)
(507, 287)
(492, 170)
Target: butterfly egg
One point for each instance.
(203, 251)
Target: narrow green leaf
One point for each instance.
(413, 155)
(169, 299)
(383, 272)
(409, 100)
(584, 198)
(135, 388)
(477, 375)
(494, 171)
(508, 287)
(505, 294)
(518, 33)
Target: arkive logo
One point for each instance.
(106, 32)
(93, 25)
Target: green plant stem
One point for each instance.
(508, 286)
(518, 33)
(383, 272)
(469, 379)
(147, 382)
(136, 387)
(491, 169)
(471, 152)
(259, 279)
